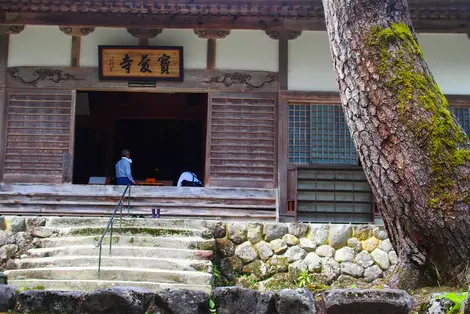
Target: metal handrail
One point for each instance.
(110, 224)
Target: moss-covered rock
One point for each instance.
(280, 281)
(278, 246)
(277, 264)
(254, 232)
(231, 267)
(290, 239)
(247, 252)
(237, 232)
(257, 269)
(363, 232)
(370, 244)
(225, 247)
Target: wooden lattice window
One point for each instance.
(463, 115)
(318, 134)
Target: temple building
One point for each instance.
(241, 92)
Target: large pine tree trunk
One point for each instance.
(415, 155)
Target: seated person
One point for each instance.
(188, 178)
(123, 169)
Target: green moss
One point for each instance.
(428, 119)
(206, 245)
(281, 281)
(317, 287)
(25, 288)
(134, 230)
(131, 240)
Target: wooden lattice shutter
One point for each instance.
(38, 144)
(241, 149)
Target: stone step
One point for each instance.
(118, 250)
(112, 273)
(130, 230)
(145, 241)
(64, 222)
(88, 285)
(118, 261)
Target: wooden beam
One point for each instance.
(211, 54)
(76, 44)
(282, 154)
(4, 42)
(194, 80)
(323, 97)
(283, 61)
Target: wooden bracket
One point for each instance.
(144, 34)
(76, 30)
(11, 29)
(290, 35)
(212, 33)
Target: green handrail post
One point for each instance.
(99, 264)
(111, 238)
(109, 225)
(129, 201)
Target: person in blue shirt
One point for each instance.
(123, 169)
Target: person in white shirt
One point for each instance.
(188, 178)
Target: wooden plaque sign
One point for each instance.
(149, 63)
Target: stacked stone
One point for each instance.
(262, 250)
(17, 234)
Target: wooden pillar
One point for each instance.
(4, 41)
(77, 32)
(211, 36)
(283, 38)
(5, 31)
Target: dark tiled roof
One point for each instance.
(299, 8)
(271, 8)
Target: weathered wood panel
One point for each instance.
(333, 195)
(194, 80)
(39, 128)
(100, 200)
(241, 149)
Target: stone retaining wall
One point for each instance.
(262, 250)
(224, 300)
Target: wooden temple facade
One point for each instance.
(275, 143)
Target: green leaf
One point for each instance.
(211, 304)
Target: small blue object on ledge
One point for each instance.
(155, 212)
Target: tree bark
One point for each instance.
(414, 153)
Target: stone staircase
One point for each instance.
(147, 253)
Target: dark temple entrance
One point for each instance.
(162, 131)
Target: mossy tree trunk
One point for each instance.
(414, 153)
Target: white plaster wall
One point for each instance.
(40, 46)
(448, 56)
(310, 67)
(194, 48)
(247, 50)
(103, 36)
